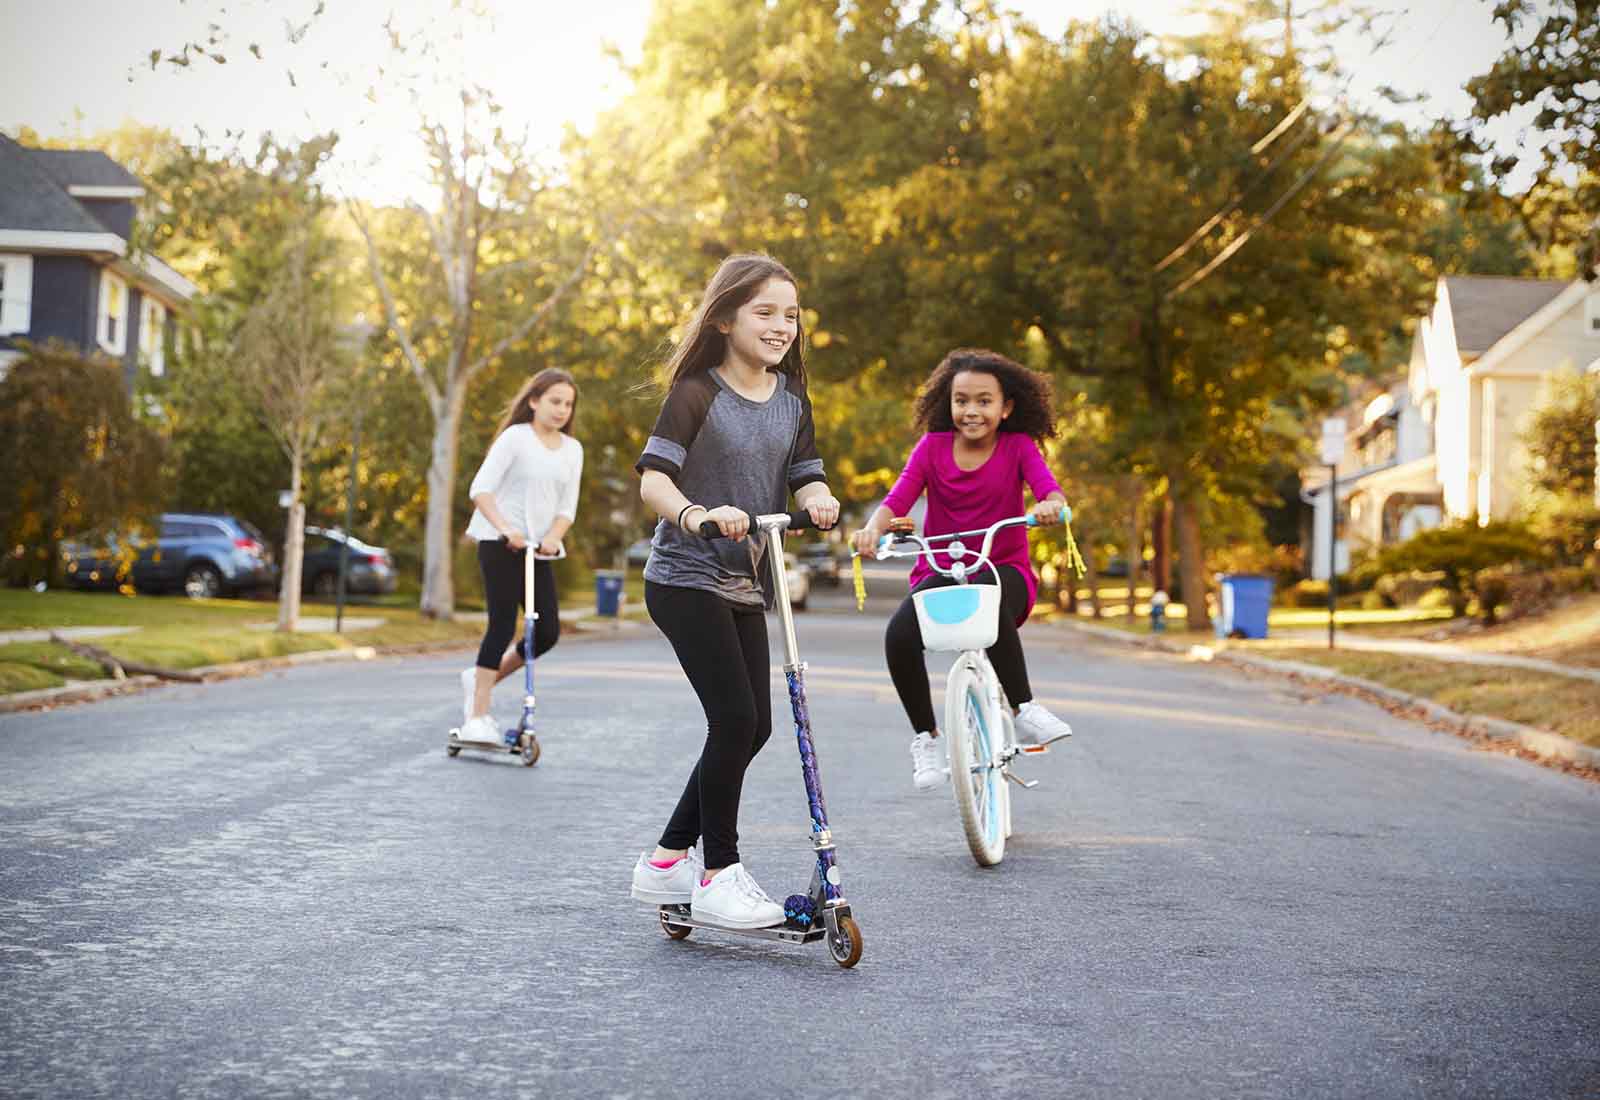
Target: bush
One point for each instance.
(1405, 589)
(1364, 572)
(1435, 598)
(1460, 551)
(1374, 600)
(1284, 564)
(1308, 593)
(1492, 587)
(1566, 580)
(1569, 526)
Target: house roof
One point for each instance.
(33, 199)
(84, 168)
(1484, 308)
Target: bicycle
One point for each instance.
(978, 728)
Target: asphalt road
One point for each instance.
(1223, 887)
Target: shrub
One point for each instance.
(1308, 593)
(1459, 551)
(1493, 589)
(1568, 579)
(1373, 600)
(1569, 526)
(1435, 598)
(1405, 589)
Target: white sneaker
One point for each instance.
(1037, 726)
(667, 885)
(481, 727)
(733, 900)
(469, 688)
(927, 762)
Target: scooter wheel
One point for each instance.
(845, 946)
(530, 750)
(453, 748)
(674, 931)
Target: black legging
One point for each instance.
(502, 591)
(902, 644)
(723, 651)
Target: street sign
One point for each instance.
(1332, 443)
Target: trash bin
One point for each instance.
(1243, 604)
(607, 591)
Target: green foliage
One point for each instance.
(1458, 551)
(1551, 64)
(1560, 436)
(72, 457)
(1307, 593)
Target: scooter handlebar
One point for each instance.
(798, 521)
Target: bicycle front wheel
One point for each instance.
(982, 800)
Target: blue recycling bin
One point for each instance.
(1244, 602)
(607, 592)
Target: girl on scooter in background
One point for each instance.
(983, 417)
(733, 439)
(526, 488)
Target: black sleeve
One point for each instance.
(676, 426)
(805, 465)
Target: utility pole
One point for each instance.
(1332, 452)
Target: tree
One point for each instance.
(73, 458)
(1550, 66)
(1560, 437)
(288, 353)
(485, 272)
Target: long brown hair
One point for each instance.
(736, 281)
(520, 412)
(1031, 395)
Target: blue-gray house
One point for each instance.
(66, 272)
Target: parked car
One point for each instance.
(799, 575)
(820, 558)
(369, 571)
(201, 555)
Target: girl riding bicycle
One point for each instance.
(983, 417)
(734, 438)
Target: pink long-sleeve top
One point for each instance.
(964, 500)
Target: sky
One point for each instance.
(546, 59)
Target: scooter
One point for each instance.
(519, 739)
(821, 913)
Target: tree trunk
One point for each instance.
(1161, 544)
(1192, 564)
(1134, 551)
(438, 585)
(294, 547)
(1091, 577)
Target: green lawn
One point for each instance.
(1557, 703)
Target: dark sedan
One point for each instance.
(370, 569)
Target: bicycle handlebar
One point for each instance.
(886, 546)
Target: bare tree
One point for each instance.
(288, 352)
(485, 190)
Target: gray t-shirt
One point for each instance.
(720, 448)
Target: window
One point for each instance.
(152, 335)
(16, 294)
(113, 313)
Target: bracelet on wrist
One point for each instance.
(686, 509)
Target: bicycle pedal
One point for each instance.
(1025, 784)
(1034, 750)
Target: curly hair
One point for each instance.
(1033, 398)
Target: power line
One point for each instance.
(1261, 177)
(1237, 243)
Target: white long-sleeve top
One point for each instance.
(531, 483)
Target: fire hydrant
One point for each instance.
(1158, 611)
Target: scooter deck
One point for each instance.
(678, 915)
(456, 744)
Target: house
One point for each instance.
(1444, 442)
(66, 270)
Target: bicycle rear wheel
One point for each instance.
(982, 799)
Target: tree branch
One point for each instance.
(391, 312)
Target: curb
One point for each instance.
(95, 690)
(1541, 743)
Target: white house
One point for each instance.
(1445, 442)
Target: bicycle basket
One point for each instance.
(964, 616)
